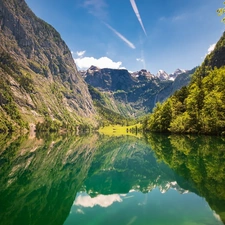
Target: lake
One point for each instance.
(97, 179)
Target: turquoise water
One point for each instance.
(138, 208)
(113, 180)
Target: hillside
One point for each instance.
(38, 77)
(200, 107)
(132, 94)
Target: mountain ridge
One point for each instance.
(40, 84)
(133, 93)
(38, 71)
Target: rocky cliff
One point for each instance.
(132, 94)
(38, 76)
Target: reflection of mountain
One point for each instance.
(125, 163)
(200, 160)
(39, 180)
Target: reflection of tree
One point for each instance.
(39, 180)
(198, 159)
(125, 163)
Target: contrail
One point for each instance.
(131, 45)
(134, 6)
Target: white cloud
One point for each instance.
(103, 62)
(131, 45)
(140, 60)
(211, 48)
(216, 216)
(134, 6)
(79, 211)
(81, 53)
(101, 200)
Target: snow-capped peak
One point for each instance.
(177, 72)
(162, 75)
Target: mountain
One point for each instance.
(162, 75)
(40, 84)
(182, 78)
(177, 72)
(134, 167)
(39, 80)
(199, 107)
(143, 75)
(131, 94)
(109, 79)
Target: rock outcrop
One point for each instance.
(132, 94)
(37, 70)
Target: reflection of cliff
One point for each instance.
(198, 159)
(39, 180)
(126, 163)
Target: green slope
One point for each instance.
(200, 107)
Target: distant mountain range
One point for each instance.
(134, 93)
(162, 75)
(39, 81)
(143, 74)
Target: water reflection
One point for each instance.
(39, 179)
(199, 159)
(126, 181)
(100, 200)
(112, 180)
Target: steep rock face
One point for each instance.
(39, 56)
(109, 79)
(182, 79)
(143, 75)
(162, 75)
(131, 94)
(176, 73)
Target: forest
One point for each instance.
(199, 107)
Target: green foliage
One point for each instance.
(160, 119)
(27, 83)
(10, 66)
(198, 108)
(96, 95)
(47, 27)
(45, 173)
(48, 125)
(108, 116)
(10, 118)
(7, 63)
(221, 11)
(198, 159)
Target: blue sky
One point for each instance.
(135, 34)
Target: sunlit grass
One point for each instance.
(118, 130)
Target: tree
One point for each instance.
(221, 11)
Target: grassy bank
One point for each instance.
(118, 130)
